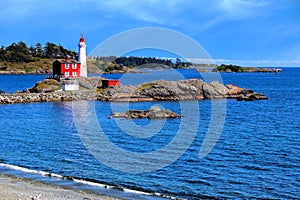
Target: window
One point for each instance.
(67, 74)
(66, 66)
(74, 66)
(73, 73)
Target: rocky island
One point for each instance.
(239, 69)
(160, 90)
(154, 112)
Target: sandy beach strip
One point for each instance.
(13, 188)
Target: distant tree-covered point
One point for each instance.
(20, 52)
(112, 63)
(237, 68)
(228, 68)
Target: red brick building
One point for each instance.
(66, 68)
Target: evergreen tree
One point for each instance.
(39, 50)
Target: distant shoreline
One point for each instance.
(238, 69)
(202, 70)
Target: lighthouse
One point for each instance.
(82, 57)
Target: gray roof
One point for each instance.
(67, 61)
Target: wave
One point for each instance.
(87, 182)
(26, 170)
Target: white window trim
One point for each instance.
(67, 66)
(74, 74)
(74, 66)
(67, 74)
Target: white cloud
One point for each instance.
(179, 13)
(206, 14)
(155, 11)
(240, 9)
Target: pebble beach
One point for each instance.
(12, 188)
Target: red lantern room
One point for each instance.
(81, 38)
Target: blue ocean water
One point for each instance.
(256, 155)
(16, 82)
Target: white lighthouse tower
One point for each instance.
(82, 57)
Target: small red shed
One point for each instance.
(110, 83)
(66, 68)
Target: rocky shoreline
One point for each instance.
(160, 90)
(46, 97)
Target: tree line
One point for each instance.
(20, 52)
(134, 61)
(229, 68)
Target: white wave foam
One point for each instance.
(136, 192)
(112, 187)
(32, 171)
(90, 183)
(56, 176)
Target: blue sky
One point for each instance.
(246, 32)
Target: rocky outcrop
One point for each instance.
(91, 82)
(242, 94)
(161, 90)
(51, 85)
(46, 97)
(47, 85)
(173, 90)
(154, 112)
(192, 89)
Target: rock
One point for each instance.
(219, 88)
(162, 114)
(154, 112)
(242, 94)
(47, 85)
(155, 109)
(172, 91)
(214, 90)
(252, 97)
(91, 82)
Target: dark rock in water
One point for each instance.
(154, 112)
(252, 97)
